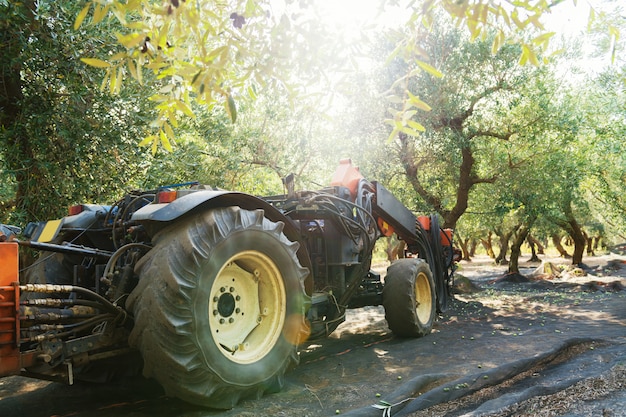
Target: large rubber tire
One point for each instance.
(220, 307)
(409, 298)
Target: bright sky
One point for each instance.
(567, 18)
(351, 15)
(352, 18)
(355, 14)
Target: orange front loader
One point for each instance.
(10, 358)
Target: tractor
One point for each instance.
(210, 292)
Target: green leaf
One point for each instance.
(132, 68)
(543, 38)
(184, 108)
(592, 18)
(231, 108)
(515, 18)
(528, 55)
(498, 41)
(614, 32)
(105, 80)
(113, 82)
(171, 116)
(165, 141)
(147, 140)
(95, 62)
(394, 99)
(250, 7)
(407, 115)
(429, 69)
(392, 135)
(168, 131)
(99, 13)
(416, 102)
(416, 126)
(131, 40)
(81, 16)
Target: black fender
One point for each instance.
(155, 216)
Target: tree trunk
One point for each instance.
(596, 242)
(589, 239)
(580, 242)
(574, 231)
(472, 248)
(516, 247)
(504, 246)
(464, 244)
(533, 251)
(541, 250)
(556, 240)
(488, 245)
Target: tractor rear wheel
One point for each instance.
(409, 298)
(219, 308)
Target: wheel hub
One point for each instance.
(226, 304)
(247, 307)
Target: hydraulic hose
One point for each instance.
(440, 271)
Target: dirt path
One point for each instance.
(536, 348)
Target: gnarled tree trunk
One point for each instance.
(575, 232)
(465, 250)
(580, 242)
(472, 247)
(533, 250)
(556, 241)
(488, 246)
(516, 246)
(504, 238)
(589, 239)
(541, 250)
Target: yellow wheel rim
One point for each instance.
(247, 307)
(423, 298)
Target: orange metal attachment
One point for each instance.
(446, 237)
(10, 361)
(385, 228)
(347, 176)
(76, 209)
(8, 263)
(166, 196)
(425, 222)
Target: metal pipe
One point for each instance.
(66, 248)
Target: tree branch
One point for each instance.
(411, 170)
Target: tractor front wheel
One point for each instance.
(409, 298)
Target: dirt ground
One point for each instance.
(551, 346)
